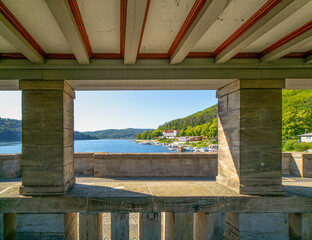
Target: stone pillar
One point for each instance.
(300, 226)
(47, 137)
(43, 226)
(90, 226)
(183, 226)
(256, 226)
(168, 226)
(120, 226)
(249, 128)
(209, 226)
(7, 226)
(150, 226)
(71, 226)
(200, 226)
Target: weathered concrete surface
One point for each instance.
(249, 128)
(71, 221)
(8, 226)
(168, 226)
(150, 226)
(300, 226)
(200, 230)
(256, 226)
(286, 161)
(10, 165)
(40, 226)
(84, 165)
(301, 164)
(155, 165)
(209, 226)
(90, 226)
(47, 137)
(120, 226)
(183, 226)
(156, 195)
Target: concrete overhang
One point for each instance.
(192, 74)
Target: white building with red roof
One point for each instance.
(170, 133)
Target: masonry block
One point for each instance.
(47, 137)
(249, 128)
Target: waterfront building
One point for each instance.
(307, 137)
(170, 133)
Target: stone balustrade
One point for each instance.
(155, 226)
(154, 164)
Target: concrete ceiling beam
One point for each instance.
(288, 47)
(275, 16)
(208, 14)
(134, 24)
(15, 37)
(64, 17)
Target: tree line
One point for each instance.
(296, 119)
(209, 130)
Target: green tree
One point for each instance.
(189, 131)
(198, 130)
(205, 129)
(156, 133)
(213, 129)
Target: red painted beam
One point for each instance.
(186, 25)
(77, 15)
(287, 38)
(267, 7)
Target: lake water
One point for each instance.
(101, 145)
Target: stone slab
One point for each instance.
(110, 195)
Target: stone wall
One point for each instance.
(154, 164)
(301, 164)
(84, 163)
(10, 165)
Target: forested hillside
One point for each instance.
(297, 112)
(203, 123)
(296, 118)
(199, 118)
(10, 130)
(117, 133)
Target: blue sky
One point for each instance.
(97, 110)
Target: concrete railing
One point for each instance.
(154, 164)
(10, 165)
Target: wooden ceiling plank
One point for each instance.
(208, 14)
(279, 13)
(135, 16)
(288, 47)
(14, 33)
(64, 16)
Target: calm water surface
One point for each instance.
(102, 145)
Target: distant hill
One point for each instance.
(117, 133)
(199, 118)
(83, 136)
(10, 130)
